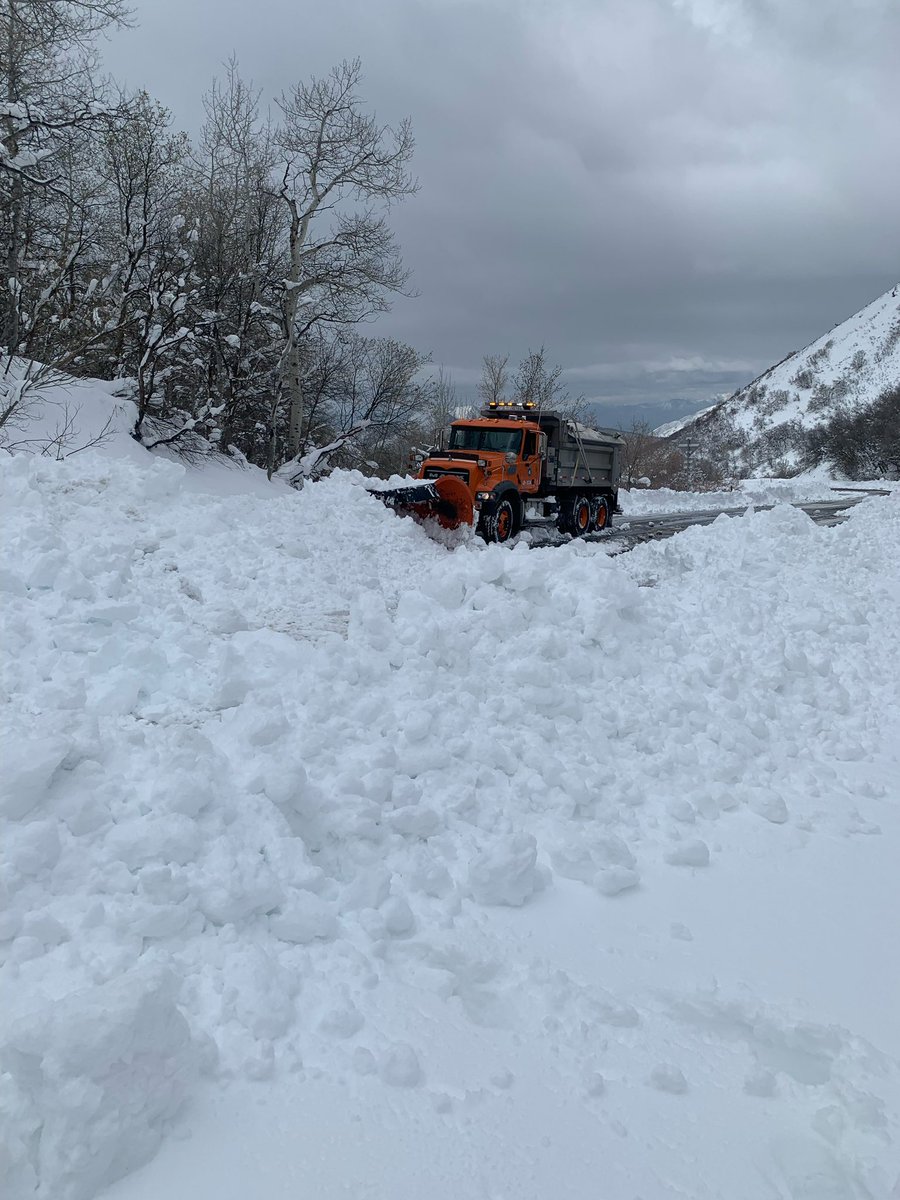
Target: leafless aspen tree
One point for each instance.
(343, 265)
(241, 252)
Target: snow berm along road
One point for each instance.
(395, 870)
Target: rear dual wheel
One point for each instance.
(600, 514)
(575, 517)
(582, 515)
(585, 514)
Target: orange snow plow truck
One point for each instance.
(517, 466)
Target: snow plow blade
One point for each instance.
(446, 500)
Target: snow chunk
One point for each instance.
(772, 807)
(93, 1081)
(666, 1078)
(505, 873)
(613, 880)
(760, 1083)
(303, 919)
(689, 854)
(28, 766)
(399, 1066)
(606, 862)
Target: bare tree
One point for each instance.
(335, 155)
(150, 250)
(224, 281)
(49, 92)
(649, 461)
(240, 257)
(639, 452)
(367, 401)
(494, 378)
(440, 406)
(538, 383)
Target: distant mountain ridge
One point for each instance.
(768, 425)
(651, 413)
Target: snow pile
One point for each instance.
(294, 794)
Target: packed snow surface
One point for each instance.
(339, 862)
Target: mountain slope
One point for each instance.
(766, 425)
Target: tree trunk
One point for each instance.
(272, 435)
(296, 407)
(291, 372)
(12, 288)
(12, 323)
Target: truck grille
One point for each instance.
(437, 472)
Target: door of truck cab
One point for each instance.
(533, 451)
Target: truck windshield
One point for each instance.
(480, 437)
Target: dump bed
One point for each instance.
(579, 455)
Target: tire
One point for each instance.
(580, 517)
(503, 523)
(600, 518)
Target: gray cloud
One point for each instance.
(668, 194)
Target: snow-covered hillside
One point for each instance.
(672, 427)
(336, 862)
(762, 425)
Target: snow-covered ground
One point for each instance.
(337, 862)
(807, 488)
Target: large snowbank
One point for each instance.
(295, 797)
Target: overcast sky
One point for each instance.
(670, 195)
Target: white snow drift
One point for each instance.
(593, 855)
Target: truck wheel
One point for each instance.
(601, 514)
(503, 522)
(581, 516)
